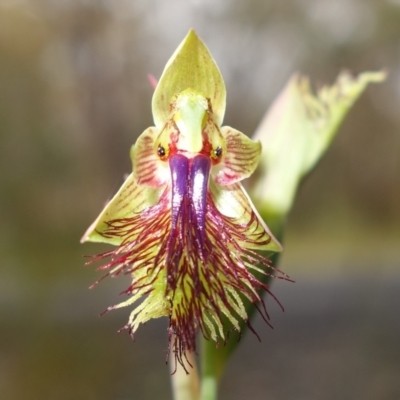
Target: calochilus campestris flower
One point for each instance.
(184, 227)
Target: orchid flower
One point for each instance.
(183, 226)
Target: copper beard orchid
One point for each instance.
(185, 229)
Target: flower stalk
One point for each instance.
(185, 386)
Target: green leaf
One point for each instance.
(295, 133)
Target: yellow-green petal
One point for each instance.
(190, 67)
(233, 202)
(131, 198)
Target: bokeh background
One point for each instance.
(73, 98)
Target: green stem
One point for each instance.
(209, 381)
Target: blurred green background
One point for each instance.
(73, 98)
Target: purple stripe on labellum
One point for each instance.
(179, 166)
(199, 174)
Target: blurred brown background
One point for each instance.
(73, 98)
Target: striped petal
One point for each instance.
(148, 170)
(241, 158)
(141, 190)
